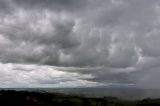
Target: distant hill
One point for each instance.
(120, 92)
(26, 98)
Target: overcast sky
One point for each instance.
(79, 43)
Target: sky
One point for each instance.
(80, 43)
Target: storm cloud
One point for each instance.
(87, 42)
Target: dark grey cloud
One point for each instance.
(6, 7)
(113, 41)
(56, 5)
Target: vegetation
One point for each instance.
(25, 98)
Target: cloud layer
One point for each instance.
(113, 41)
